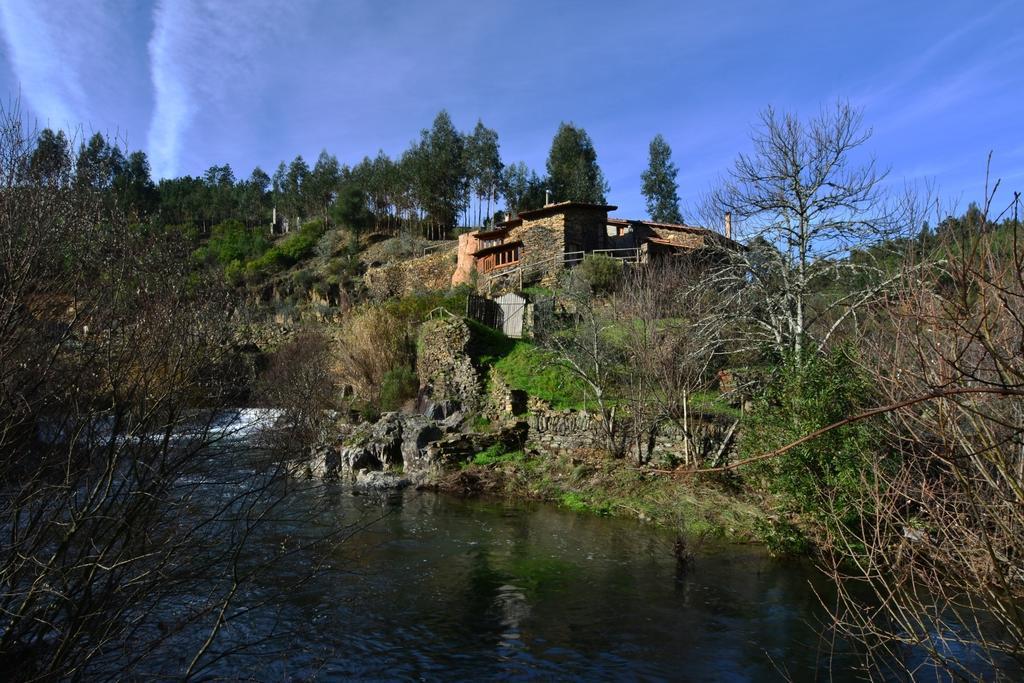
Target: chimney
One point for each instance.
(728, 225)
(547, 197)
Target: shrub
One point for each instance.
(602, 273)
(328, 243)
(398, 385)
(268, 263)
(403, 246)
(416, 307)
(371, 342)
(234, 272)
(823, 474)
(232, 241)
(296, 247)
(303, 279)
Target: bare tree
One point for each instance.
(930, 578)
(123, 518)
(941, 551)
(803, 200)
(581, 338)
(299, 382)
(667, 352)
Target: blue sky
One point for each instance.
(202, 82)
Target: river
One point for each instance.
(426, 586)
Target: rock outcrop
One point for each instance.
(413, 448)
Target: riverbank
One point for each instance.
(699, 509)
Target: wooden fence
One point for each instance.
(508, 313)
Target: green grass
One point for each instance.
(578, 503)
(496, 454)
(697, 508)
(487, 345)
(534, 371)
(712, 402)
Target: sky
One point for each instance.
(195, 83)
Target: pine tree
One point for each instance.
(573, 173)
(659, 184)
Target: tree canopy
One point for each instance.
(573, 173)
(659, 184)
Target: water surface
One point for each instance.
(439, 588)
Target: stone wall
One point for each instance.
(446, 372)
(564, 431)
(586, 229)
(556, 432)
(543, 246)
(503, 401)
(430, 272)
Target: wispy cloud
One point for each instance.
(76, 64)
(42, 46)
(206, 56)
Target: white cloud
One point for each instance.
(46, 45)
(205, 58)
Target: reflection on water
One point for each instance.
(440, 588)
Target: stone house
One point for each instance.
(538, 244)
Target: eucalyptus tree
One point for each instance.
(322, 184)
(483, 165)
(97, 164)
(381, 181)
(573, 173)
(442, 174)
(295, 188)
(49, 156)
(254, 200)
(522, 188)
(659, 183)
(219, 200)
(135, 189)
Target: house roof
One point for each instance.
(676, 227)
(562, 206)
(689, 230)
(667, 243)
(508, 223)
(493, 232)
